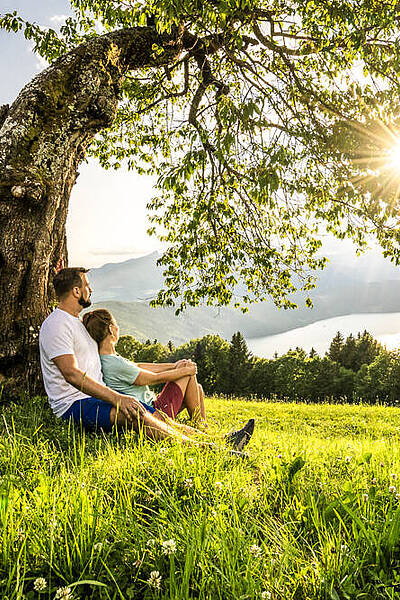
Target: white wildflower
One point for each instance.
(168, 547)
(280, 456)
(392, 489)
(154, 580)
(374, 481)
(53, 523)
(365, 497)
(347, 459)
(39, 584)
(188, 483)
(255, 550)
(63, 593)
(97, 547)
(163, 450)
(397, 496)
(190, 460)
(219, 485)
(344, 549)
(266, 595)
(393, 476)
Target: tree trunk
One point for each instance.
(43, 136)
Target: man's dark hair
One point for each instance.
(67, 279)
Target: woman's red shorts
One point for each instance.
(170, 399)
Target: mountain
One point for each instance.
(137, 279)
(344, 287)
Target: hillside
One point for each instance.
(343, 288)
(91, 517)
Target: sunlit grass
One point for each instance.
(313, 513)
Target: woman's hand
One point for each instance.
(191, 368)
(184, 362)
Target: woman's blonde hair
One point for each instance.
(98, 322)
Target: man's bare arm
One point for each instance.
(78, 378)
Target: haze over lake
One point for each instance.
(385, 327)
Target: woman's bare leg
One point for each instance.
(152, 427)
(190, 431)
(191, 396)
(202, 406)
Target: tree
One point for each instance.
(249, 114)
(128, 347)
(238, 366)
(336, 348)
(367, 349)
(211, 355)
(152, 353)
(380, 380)
(349, 353)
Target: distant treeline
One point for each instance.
(353, 369)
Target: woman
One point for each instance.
(180, 391)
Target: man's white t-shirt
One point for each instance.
(62, 333)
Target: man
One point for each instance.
(72, 374)
(70, 360)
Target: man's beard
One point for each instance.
(85, 303)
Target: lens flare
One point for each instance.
(394, 157)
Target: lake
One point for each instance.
(385, 327)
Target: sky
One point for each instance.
(114, 202)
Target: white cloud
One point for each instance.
(58, 18)
(120, 251)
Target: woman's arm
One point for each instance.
(156, 367)
(150, 378)
(160, 367)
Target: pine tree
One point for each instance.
(336, 348)
(349, 353)
(239, 365)
(367, 350)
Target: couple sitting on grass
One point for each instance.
(88, 382)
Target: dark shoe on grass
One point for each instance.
(238, 439)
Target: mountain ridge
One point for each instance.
(126, 287)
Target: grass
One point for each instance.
(313, 513)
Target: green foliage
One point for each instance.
(373, 374)
(238, 366)
(128, 347)
(380, 379)
(261, 134)
(353, 353)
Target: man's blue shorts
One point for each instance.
(93, 413)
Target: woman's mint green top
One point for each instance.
(120, 375)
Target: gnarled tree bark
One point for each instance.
(43, 136)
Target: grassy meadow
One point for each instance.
(313, 512)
